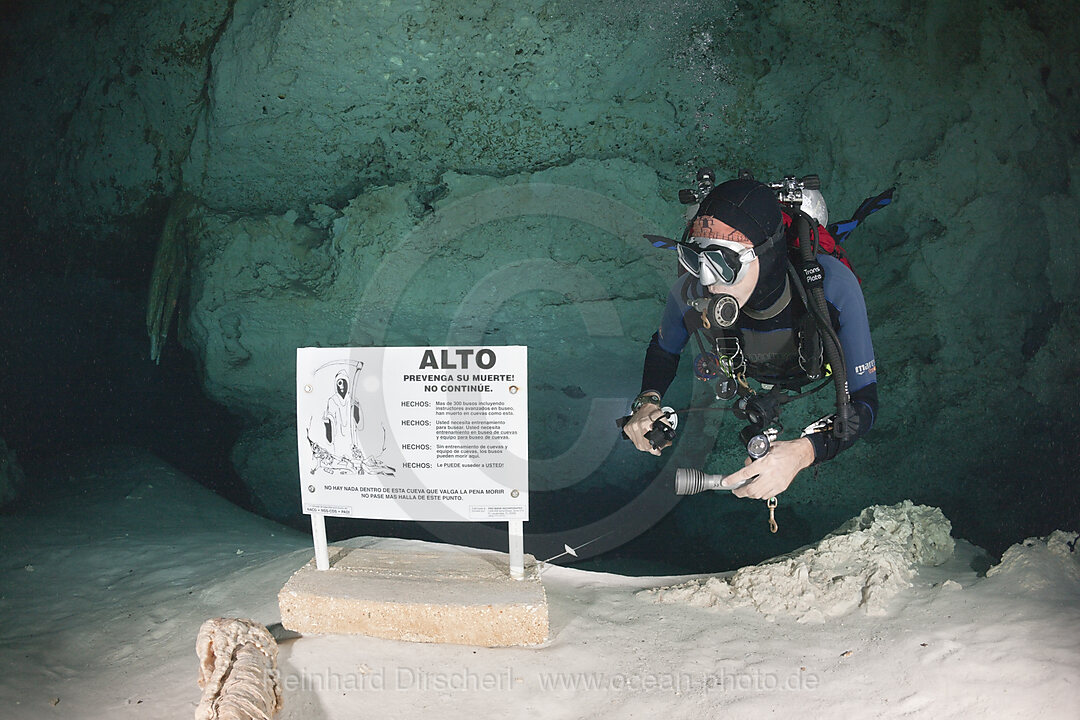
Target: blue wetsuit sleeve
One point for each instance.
(662, 356)
(842, 291)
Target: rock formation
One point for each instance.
(237, 671)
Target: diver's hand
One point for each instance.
(640, 423)
(775, 471)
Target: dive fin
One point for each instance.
(659, 241)
(869, 206)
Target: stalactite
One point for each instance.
(169, 274)
(12, 478)
(237, 671)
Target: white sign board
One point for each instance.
(414, 433)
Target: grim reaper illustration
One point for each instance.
(340, 447)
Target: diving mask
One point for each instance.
(720, 263)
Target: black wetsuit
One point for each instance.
(771, 346)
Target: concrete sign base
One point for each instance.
(457, 595)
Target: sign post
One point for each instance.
(318, 535)
(414, 433)
(517, 549)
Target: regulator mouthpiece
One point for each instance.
(717, 310)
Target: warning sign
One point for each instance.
(416, 433)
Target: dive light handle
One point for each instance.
(691, 481)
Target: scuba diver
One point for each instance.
(769, 296)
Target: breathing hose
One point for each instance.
(811, 282)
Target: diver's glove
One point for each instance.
(829, 437)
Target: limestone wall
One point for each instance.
(553, 260)
(329, 145)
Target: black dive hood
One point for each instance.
(752, 208)
(772, 273)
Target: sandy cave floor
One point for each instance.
(103, 598)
